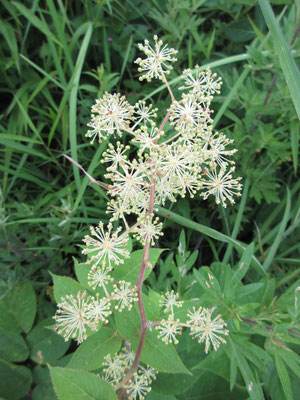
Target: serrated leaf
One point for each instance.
(64, 285)
(160, 356)
(45, 345)
(74, 384)
(90, 354)
(129, 271)
(12, 346)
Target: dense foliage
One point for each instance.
(56, 59)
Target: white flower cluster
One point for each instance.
(115, 369)
(75, 315)
(200, 323)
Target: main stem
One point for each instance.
(145, 263)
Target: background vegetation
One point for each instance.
(56, 58)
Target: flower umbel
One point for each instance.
(72, 317)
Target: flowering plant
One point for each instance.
(186, 160)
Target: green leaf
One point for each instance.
(90, 354)
(172, 383)
(15, 380)
(64, 286)
(287, 62)
(208, 281)
(209, 386)
(273, 249)
(43, 388)
(160, 356)
(204, 230)
(129, 271)
(35, 21)
(244, 264)
(283, 376)
(73, 384)
(22, 304)
(8, 320)
(12, 346)
(45, 345)
(253, 387)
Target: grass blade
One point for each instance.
(73, 100)
(35, 21)
(286, 60)
(276, 243)
(204, 230)
(238, 220)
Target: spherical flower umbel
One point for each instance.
(125, 294)
(109, 248)
(110, 115)
(72, 318)
(99, 309)
(156, 64)
(208, 330)
(170, 300)
(169, 329)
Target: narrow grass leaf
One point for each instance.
(238, 220)
(35, 21)
(284, 377)
(204, 230)
(286, 60)
(277, 241)
(73, 100)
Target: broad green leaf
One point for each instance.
(160, 356)
(8, 320)
(12, 346)
(80, 385)
(129, 271)
(90, 354)
(15, 380)
(244, 264)
(155, 396)
(43, 388)
(166, 384)
(283, 376)
(22, 304)
(45, 345)
(128, 321)
(209, 386)
(64, 286)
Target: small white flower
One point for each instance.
(208, 330)
(110, 115)
(138, 387)
(221, 185)
(201, 82)
(169, 329)
(170, 300)
(125, 294)
(72, 317)
(99, 309)
(99, 276)
(110, 248)
(144, 113)
(156, 63)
